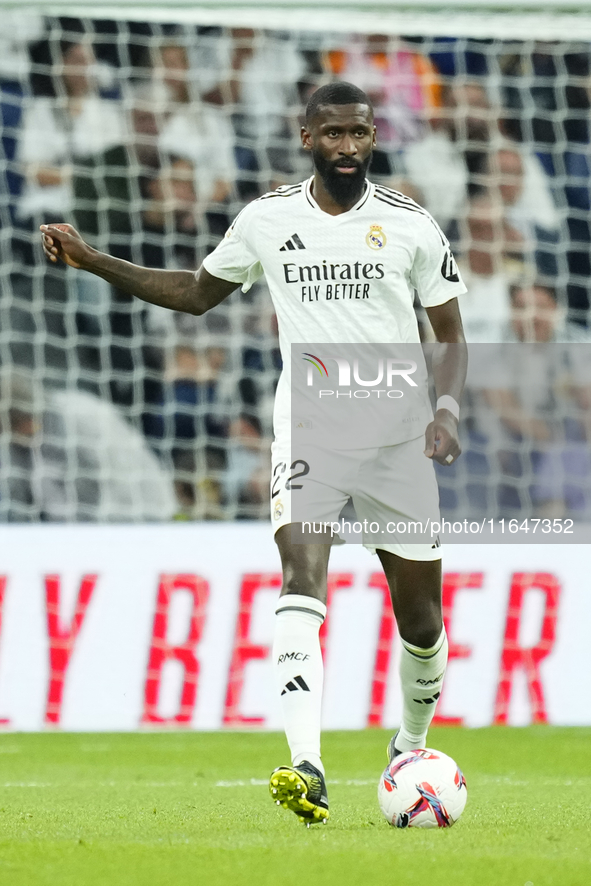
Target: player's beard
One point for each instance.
(344, 188)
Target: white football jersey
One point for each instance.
(347, 278)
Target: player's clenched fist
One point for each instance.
(441, 438)
(64, 242)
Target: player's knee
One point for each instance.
(306, 576)
(424, 635)
(305, 585)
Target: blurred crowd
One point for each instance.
(149, 138)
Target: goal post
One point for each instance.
(503, 19)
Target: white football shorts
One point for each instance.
(393, 490)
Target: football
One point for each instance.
(422, 789)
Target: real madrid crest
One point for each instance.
(375, 239)
(278, 510)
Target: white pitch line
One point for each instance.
(242, 784)
(27, 784)
(260, 782)
(100, 784)
(477, 780)
(239, 783)
(255, 782)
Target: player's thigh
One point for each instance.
(306, 498)
(308, 486)
(397, 499)
(398, 493)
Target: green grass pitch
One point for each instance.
(193, 808)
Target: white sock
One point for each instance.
(421, 674)
(299, 673)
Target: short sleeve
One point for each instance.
(435, 274)
(234, 258)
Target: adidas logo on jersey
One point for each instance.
(294, 242)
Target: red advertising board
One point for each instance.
(122, 628)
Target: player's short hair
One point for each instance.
(340, 93)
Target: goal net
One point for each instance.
(149, 126)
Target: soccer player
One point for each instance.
(393, 247)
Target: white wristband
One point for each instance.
(448, 402)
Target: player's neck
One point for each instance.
(326, 201)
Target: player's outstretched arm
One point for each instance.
(449, 365)
(177, 290)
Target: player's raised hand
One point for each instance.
(65, 243)
(441, 438)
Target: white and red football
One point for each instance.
(422, 789)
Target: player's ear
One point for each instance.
(306, 137)
(374, 137)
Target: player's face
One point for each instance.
(341, 139)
